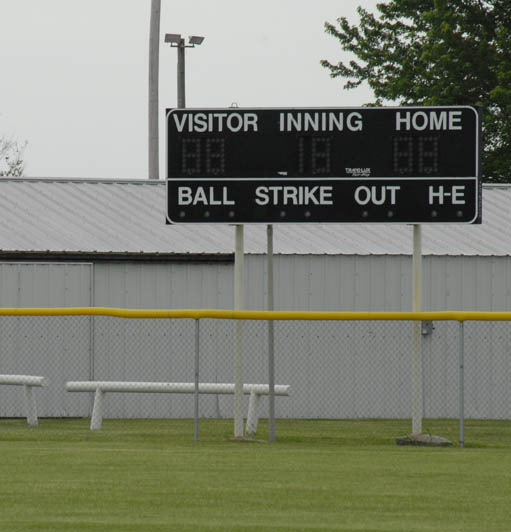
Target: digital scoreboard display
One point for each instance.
(293, 165)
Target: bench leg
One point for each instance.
(97, 410)
(252, 416)
(30, 405)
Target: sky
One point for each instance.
(74, 73)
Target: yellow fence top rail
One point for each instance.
(197, 314)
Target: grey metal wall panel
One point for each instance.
(384, 283)
(9, 285)
(305, 282)
(156, 285)
(337, 283)
(58, 348)
(256, 286)
(467, 283)
(501, 283)
(30, 284)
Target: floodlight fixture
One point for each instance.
(173, 38)
(195, 39)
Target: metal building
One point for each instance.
(105, 243)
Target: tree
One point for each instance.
(437, 52)
(12, 163)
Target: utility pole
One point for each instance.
(154, 59)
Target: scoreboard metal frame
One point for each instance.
(324, 165)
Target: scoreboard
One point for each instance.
(319, 165)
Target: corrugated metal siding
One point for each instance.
(323, 282)
(128, 216)
(311, 282)
(157, 285)
(45, 285)
(467, 283)
(308, 282)
(58, 348)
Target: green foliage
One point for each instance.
(437, 52)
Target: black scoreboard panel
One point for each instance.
(406, 165)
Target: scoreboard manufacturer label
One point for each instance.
(339, 165)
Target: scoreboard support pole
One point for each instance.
(271, 336)
(417, 384)
(238, 347)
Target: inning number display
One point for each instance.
(392, 165)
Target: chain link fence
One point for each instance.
(335, 369)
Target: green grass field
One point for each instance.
(149, 475)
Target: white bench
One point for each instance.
(101, 387)
(28, 382)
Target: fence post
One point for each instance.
(271, 380)
(461, 382)
(196, 381)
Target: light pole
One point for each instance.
(176, 41)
